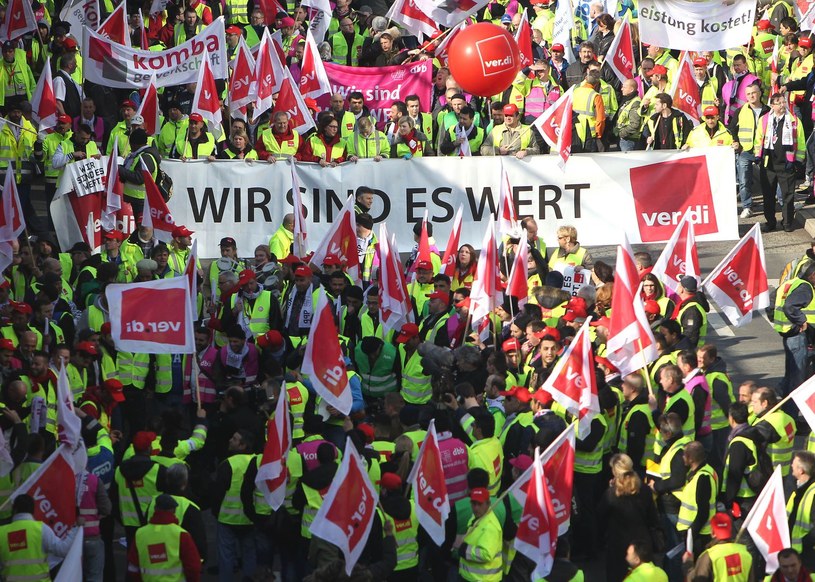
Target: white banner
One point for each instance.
(115, 65)
(83, 177)
(643, 194)
(696, 26)
(81, 13)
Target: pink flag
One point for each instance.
(313, 78)
(448, 263)
(507, 216)
(678, 258)
(487, 290)
(114, 189)
(347, 512)
(242, 81)
(631, 344)
(685, 90)
(206, 101)
(523, 36)
(268, 75)
(393, 296)
(518, 282)
(20, 19)
(341, 241)
(620, 56)
(429, 487)
(572, 383)
(43, 102)
(555, 125)
(156, 214)
(323, 361)
(148, 108)
(115, 26)
(272, 475)
(537, 533)
(767, 521)
(739, 283)
(291, 101)
(300, 234)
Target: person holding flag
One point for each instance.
(141, 156)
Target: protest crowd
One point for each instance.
(338, 411)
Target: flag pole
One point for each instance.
(645, 367)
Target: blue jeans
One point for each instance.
(93, 559)
(795, 362)
(628, 145)
(744, 176)
(234, 542)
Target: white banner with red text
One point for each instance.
(642, 194)
(696, 26)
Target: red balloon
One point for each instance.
(484, 59)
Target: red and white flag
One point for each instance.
(448, 263)
(487, 290)
(290, 101)
(449, 13)
(507, 216)
(429, 487)
(410, 16)
(394, 302)
(739, 283)
(313, 78)
(572, 383)
(300, 234)
(341, 241)
(53, 485)
(441, 49)
(348, 509)
(20, 19)
(678, 258)
(114, 189)
(156, 214)
(73, 559)
(620, 56)
(804, 398)
(206, 101)
(518, 281)
(149, 109)
(319, 17)
(523, 37)
(191, 273)
(270, 8)
(767, 521)
(555, 125)
(153, 317)
(323, 361)
(537, 533)
(242, 85)
(12, 222)
(268, 75)
(115, 27)
(631, 345)
(424, 254)
(272, 475)
(69, 425)
(685, 91)
(44, 101)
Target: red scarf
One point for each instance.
(411, 142)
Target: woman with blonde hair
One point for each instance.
(625, 513)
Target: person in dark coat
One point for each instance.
(625, 513)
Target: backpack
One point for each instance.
(758, 478)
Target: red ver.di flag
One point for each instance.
(347, 512)
(429, 487)
(767, 521)
(620, 56)
(341, 241)
(323, 361)
(686, 92)
(536, 537)
(272, 475)
(155, 317)
(739, 283)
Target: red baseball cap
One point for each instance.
(115, 389)
(390, 482)
(87, 348)
(114, 234)
(105, 329)
(700, 62)
(542, 396)
(64, 118)
(21, 307)
(196, 117)
(408, 332)
(7, 344)
(604, 362)
(659, 70)
(764, 24)
(518, 392)
(287, 21)
(511, 345)
(439, 295)
(69, 44)
(604, 321)
(548, 331)
(805, 41)
(558, 48)
(576, 309)
(233, 30)
(143, 440)
(245, 276)
(424, 266)
(332, 260)
(182, 231)
(510, 109)
(480, 494)
(464, 303)
(290, 260)
(303, 271)
(127, 103)
(368, 431)
(652, 307)
(721, 526)
(710, 111)
(521, 462)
